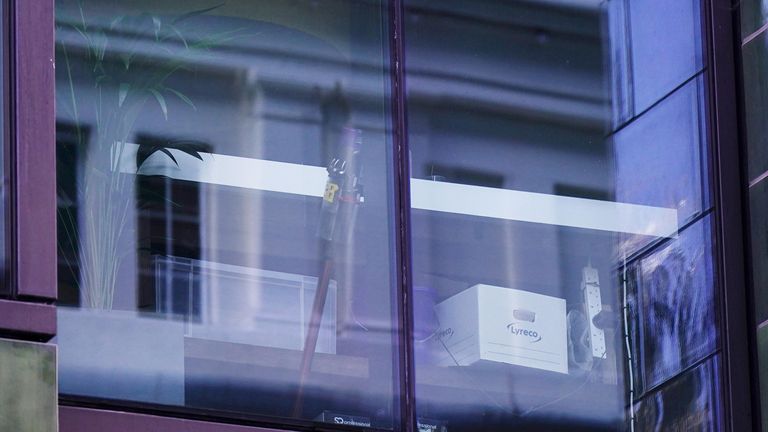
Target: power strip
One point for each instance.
(590, 286)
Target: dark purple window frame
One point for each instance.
(30, 150)
(35, 153)
(739, 402)
(88, 420)
(31, 138)
(403, 217)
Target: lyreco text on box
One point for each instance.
(486, 322)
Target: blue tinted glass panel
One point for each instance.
(659, 157)
(689, 403)
(659, 64)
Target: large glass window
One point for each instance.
(228, 233)
(225, 207)
(563, 277)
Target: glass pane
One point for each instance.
(754, 15)
(217, 247)
(658, 68)
(762, 358)
(678, 304)
(754, 60)
(550, 220)
(754, 81)
(665, 145)
(688, 403)
(758, 208)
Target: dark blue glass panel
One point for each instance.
(689, 403)
(754, 15)
(676, 284)
(755, 70)
(762, 358)
(758, 209)
(659, 67)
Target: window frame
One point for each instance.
(35, 163)
(726, 174)
(29, 114)
(31, 145)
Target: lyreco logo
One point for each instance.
(532, 335)
(445, 334)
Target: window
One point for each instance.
(225, 203)
(229, 234)
(575, 291)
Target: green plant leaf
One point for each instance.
(195, 13)
(126, 58)
(115, 22)
(193, 148)
(191, 152)
(190, 147)
(100, 41)
(100, 78)
(182, 96)
(180, 36)
(145, 151)
(157, 24)
(161, 101)
(170, 155)
(220, 38)
(123, 93)
(147, 197)
(83, 34)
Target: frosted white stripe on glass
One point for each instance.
(444, 197)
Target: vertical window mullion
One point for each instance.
(740, 410)
(33, 141)
(403, 217)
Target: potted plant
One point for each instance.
(126, 67)
(107, 75)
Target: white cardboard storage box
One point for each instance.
(486, 322)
